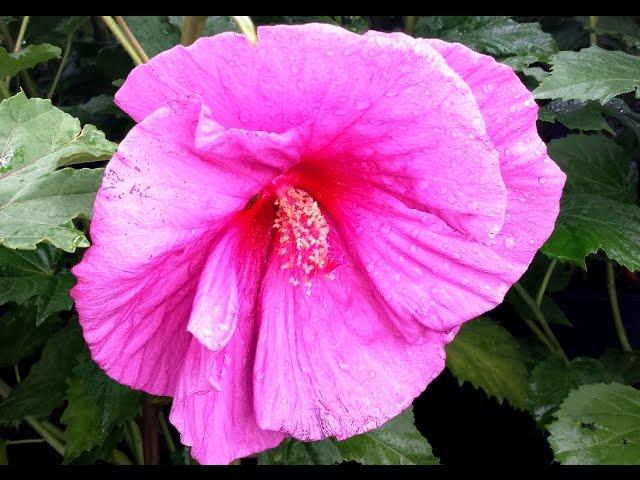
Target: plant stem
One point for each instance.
(45, 434)
(132, 38)
(5, 390)
(4, 90)
(151, 431)
(23, 30)
(593, 37)
(541, 320)
(615, 309)
(16, 372)
(410, 24)
(8, 40)
(192, 28)
(55, 431)
(538, 333)
(247, 28)
(545, 281)
(122, 39)
(6, 34)
(52, 434)
(120, 458)
(136, 440)
(24, 442)
(63, 62)
(164, 428)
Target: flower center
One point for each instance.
(302, 237)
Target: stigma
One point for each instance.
(302, 239)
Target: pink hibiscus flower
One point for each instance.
(293, 232)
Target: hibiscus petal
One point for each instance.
(165, 195)
(374, 104)
(218, 423)
(534, 182)
(428, 271)
(329, 363)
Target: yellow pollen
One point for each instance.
(303, 237)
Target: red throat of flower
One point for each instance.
(302, 237)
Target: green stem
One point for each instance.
(192, 29)
(16, 372)
(541, 320)
(122, 39)
(545, 281)
(593, 37)
(5, 390)
(55, 431)
(6, 34)
(132, 38)
(410, 24)
(120, 458)
(24, 442)
(538, 333)
(8, 40)
(247, 27)
(23, 30)
(45, 434)
(136, 440)
(4, 90)
(615, 309)
(164, 428)
(63, 62)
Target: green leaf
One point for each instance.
(19, 336)
(95, 109)
(28, 274)
(397, 442)
(597, 165)
(13, 63)
(618, 109)
(519, 62)
(486, 355)
(624, 364)
(496, 35)
(590, 223)
(576, 115)
(97, 405)
(590, 74)
(37, 202)
(623, 28)
(213, 26)
(552, 379)
(295, 452)
(598, 424)
(155, 33)
(103, 451)
(44, 388)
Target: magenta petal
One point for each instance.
(330, 363)
(534, 182)
(161, 204)
(366, 101)
(218, 422)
